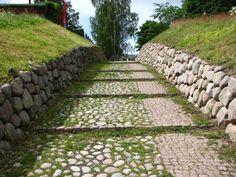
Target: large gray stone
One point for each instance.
(20, 134)
(219, 68)
(205, 84)
(4, 147)
(209, 76)
(178, 68)
(205, 71)
(210, 104)
(200, 102)
(231, 131)
(196, 95)
(41, 82)
(210, 86)
(205, 98)
(10, 132)
(26, 76)
(37, 100)
(232, 111)
(199, 83)
(216, 92)
(2, 97)
(196, 66)
(224, 82)
(7, 90)
(222, 115)
(15, 120)
(2, 130)
(30, 87)
(34, 78)
(217, 106)
(218, 77)
(55, 73)
(25, 119)
(17, 104)
(43, 96)
(6, 111)
(27, 99)
(17, 87)
(232, 86)
(225, 96)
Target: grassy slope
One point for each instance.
(212, 38)
(25, 38)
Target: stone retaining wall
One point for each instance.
(206, 86)
(31, 91)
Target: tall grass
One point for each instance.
(25, 38)
(213, 38)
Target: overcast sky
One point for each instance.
(144, 8)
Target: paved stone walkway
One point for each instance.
(109, 104)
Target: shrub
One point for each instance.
(202, 7)
(148, 31)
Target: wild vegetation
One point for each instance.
(29, 38)
(213, 38)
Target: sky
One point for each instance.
(144, 8)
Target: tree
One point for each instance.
(201, 7)
(148, 31)
(72, 18)
(166, 13)
(113, 25)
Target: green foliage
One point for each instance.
(166, 13)
(53, 10)
(148, 31)
(201, 7)
(72, 18)
(113, 25)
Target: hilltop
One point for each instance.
(213, 38)
(25, 38)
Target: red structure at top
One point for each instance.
(63, 14)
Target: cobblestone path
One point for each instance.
(118, 120)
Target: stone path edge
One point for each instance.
(56, 130)
(118, 95)
(123, 62)
(116, 80)
(121, 71)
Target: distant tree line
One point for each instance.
(167, 13)
(113, 25)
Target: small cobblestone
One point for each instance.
(135, 66)
(151, 88)
(101, 112)
(143, 75)
(164, 112)
(112, 88)
(190, 156)
(69, 147)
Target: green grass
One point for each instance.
(25, 38)
(212, 38)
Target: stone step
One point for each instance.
(137, 95)
(123, 62)
(117, 80)
(178, 155)
(116, 88)
(112, 112)
(118, 70)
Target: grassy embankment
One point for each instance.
(212, 38)
(25, 38)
